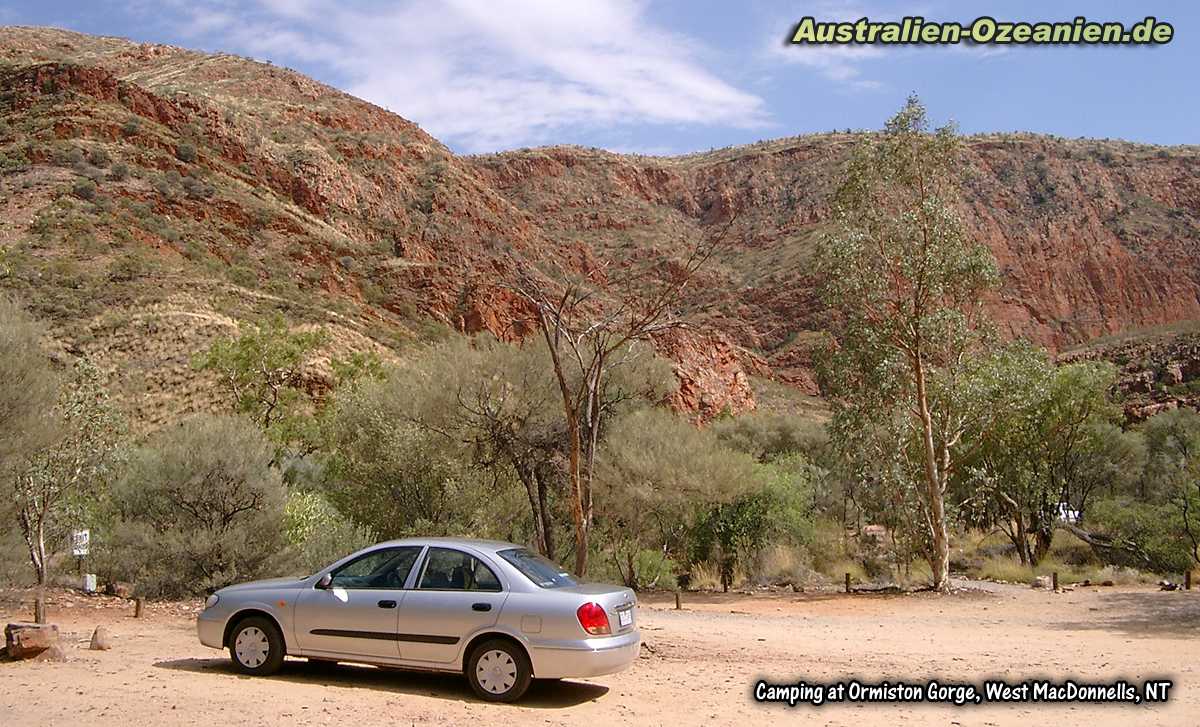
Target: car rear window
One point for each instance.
(541, 571)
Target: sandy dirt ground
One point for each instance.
(698, 665)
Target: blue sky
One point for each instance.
(675, 76)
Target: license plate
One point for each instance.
(625, 618)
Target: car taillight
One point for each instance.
(593, 619)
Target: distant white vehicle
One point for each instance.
(496, 612)
(1066, 514)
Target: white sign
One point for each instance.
(79, 542)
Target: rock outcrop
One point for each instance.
(1156, 372)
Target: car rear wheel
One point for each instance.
(256, 647)
(499, 671)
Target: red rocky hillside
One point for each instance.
(151, 197)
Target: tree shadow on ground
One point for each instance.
(1146, 614)
(541, 694)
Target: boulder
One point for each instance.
(1173, 373)
(1042, 582)
(26, 640)
(101, 639)
(119, 589)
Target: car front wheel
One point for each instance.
(256, 647)
(499, 671)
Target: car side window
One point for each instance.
(384, 568)
(454, 570)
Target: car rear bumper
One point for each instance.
(588, 658)
(211, 631)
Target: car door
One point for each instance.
(455, 594)
(356, 615)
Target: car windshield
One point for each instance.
(537, 569)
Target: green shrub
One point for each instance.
(198, 507)
(768, 436)
(163, 186)
(13, 161)
(84, 189)
(778, 510)
(119, 172)
(130, 127)
(129, 267)
(654, 569)
(197, 188)
(69, 157)
(99, 157)
(185, 152)
(374, 293)
(1145, 535)
(318, 532)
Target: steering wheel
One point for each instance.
(392, 579)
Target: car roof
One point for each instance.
(488, 546)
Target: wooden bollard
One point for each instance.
(847, 583)
(138, 605)
(1054, 580)
(39, 610)
(1187, 580)
(678, 603)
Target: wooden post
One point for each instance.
(1054, 579)
(1187, 580)
(847, 583)
(39, 610)
(678, 605)
(137, 608)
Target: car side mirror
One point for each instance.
(324, 582)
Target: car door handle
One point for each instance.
(481, 607)
(387, 604)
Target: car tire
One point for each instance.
(499, 671)
(256, 646)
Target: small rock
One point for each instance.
(53, 653)
(1107, 583)
(1041, 582)
(101, 639)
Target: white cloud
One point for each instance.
(488, 74)
(839, 63)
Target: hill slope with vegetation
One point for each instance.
(154, 196)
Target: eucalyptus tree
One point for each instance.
(592, 327)
(905, 284)
(59, 481)
(1172, 474)
(1045, 449)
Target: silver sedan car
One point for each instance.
(496, 612)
